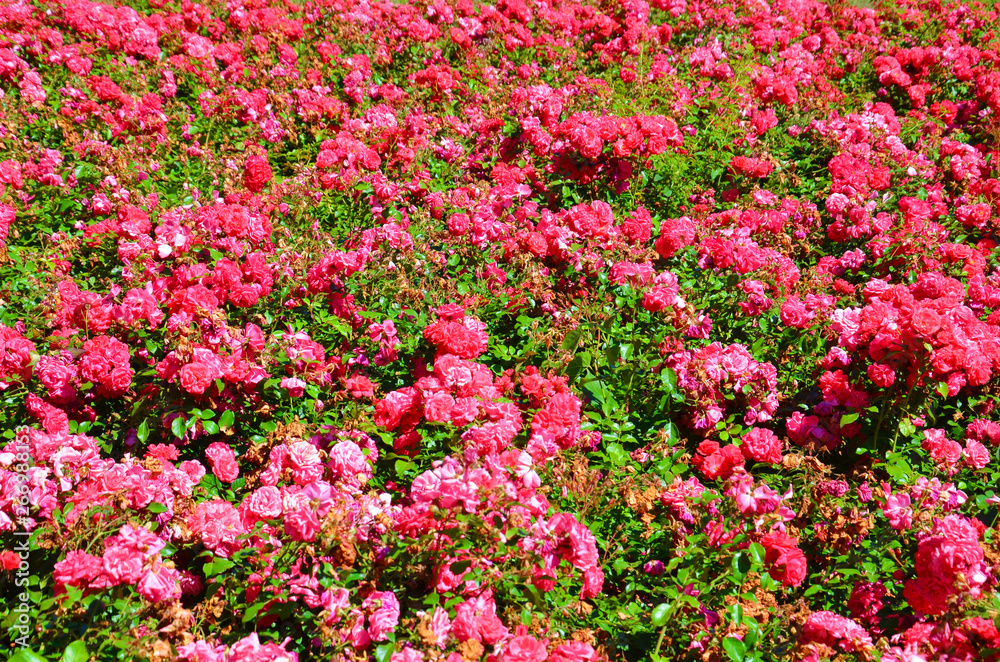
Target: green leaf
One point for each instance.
(942, 390)
(178, 426)
(572, 339)
(814, 589)
(741, 564)
(217, 566)
(75, 652)
(735, 648)
(27, 655)
(458, 567)
(227, 419)
(659, 615)
(847, 419)
(142, 432)
(251, 612)
(617, 454)
(757, 552)
(156, 508)
(384, 652)
(612, 354)
(211, 427)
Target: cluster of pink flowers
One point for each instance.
(899, 321)
(293, 289)
(713, 372)
(950, 563)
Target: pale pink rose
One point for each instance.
(219, 525)
(304, 460)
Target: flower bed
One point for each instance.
(448, 331)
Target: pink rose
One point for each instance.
(949, 562)
(304, 460)
(438, 406)
(262, 504)
(219, 525)
(256, 173)
(881, 375)
(657, 299)
(296, 387)
(638, 227)
(119, 380)
(349, 463)
(976, 455)
(941, 448)
(160, 584)
(826, 627)
(197, 377)
(302, 524)
(222, 459)
(201, 651)
(795, 314)
(360, 386)
(54, 373)
(123, 564)
(785, 562)
(390, 410)
(383, 620)
(925, 321)
(573, 651)
(78, 569)
(761, 445)
(524, 649)
(458, 224)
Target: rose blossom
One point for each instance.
(256, 173)
(761, 445)
(524, 649)
(222, 459)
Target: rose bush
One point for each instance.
(433, 330)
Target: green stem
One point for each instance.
(906, 407)
(659, 642)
